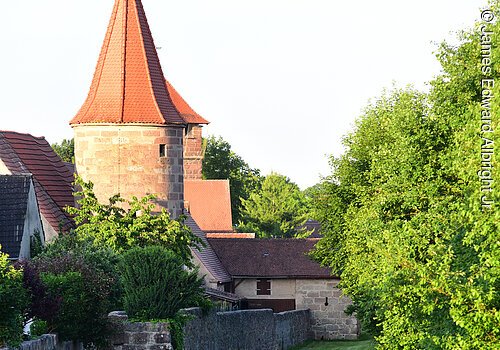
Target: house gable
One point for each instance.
(19, 215)
(24, 154)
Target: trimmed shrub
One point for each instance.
(12, 302)
(156, 284)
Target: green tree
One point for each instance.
(65, 150)
(415, 250)
(274, 210)
(220, 162)
(120, 229)
(156, 285)
(13, 300)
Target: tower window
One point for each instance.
(163, 150)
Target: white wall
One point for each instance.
(32, 224)
(280, 289)
(3, 169)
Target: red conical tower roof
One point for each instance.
(185, 110)
(128, 84)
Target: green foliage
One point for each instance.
(98, 257)
(65, 150)
(275, 210)
(177, 324)
(120, 229)
(13, 300)
(83, 291)
(38, 328)
(156, 284)
(402, 215)
(220, 162)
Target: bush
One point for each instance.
(71, 295)
(156, 285)
(100, 258)
(12, 302)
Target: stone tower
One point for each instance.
(193, 142)
(129, 132)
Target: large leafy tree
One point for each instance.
(123, 224)
(277, 209)
(221, 162)
(65, 150)
(404, 225)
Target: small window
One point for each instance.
(163, 151)
(263, 287)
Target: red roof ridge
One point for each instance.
(128, 84)
(22, 134)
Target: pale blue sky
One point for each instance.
(281, 80)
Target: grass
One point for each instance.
(365, 343)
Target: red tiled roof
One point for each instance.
(207, 255)
(24, 153)
(268, 257)
(187, 113)
(210, 204)
(128, 84)
(230, 235)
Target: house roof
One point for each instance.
(26, 154)
(221, 295)
(277, 258)
(230, 235)
(186, 112)
(312, 226)
(128, 84)
(14, 192)
(207, 255)
(209, 203)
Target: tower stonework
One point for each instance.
(193, 141)
(132, 160)
(129, 132)
(193, 153)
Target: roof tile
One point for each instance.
(128, 84)
(187, 113)
(210, 204)
(246, 257)
(27, 154)
(13, 205)
(207, 255)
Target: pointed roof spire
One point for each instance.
(128, 84)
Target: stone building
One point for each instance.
(130, 131)
(278, 274)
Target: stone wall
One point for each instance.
(327, 305)
(48, 342)
(235, 330)
(143, 336)
(246, 329)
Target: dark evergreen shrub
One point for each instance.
(156, 284)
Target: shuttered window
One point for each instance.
(263, 287)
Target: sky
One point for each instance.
(281, 80)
